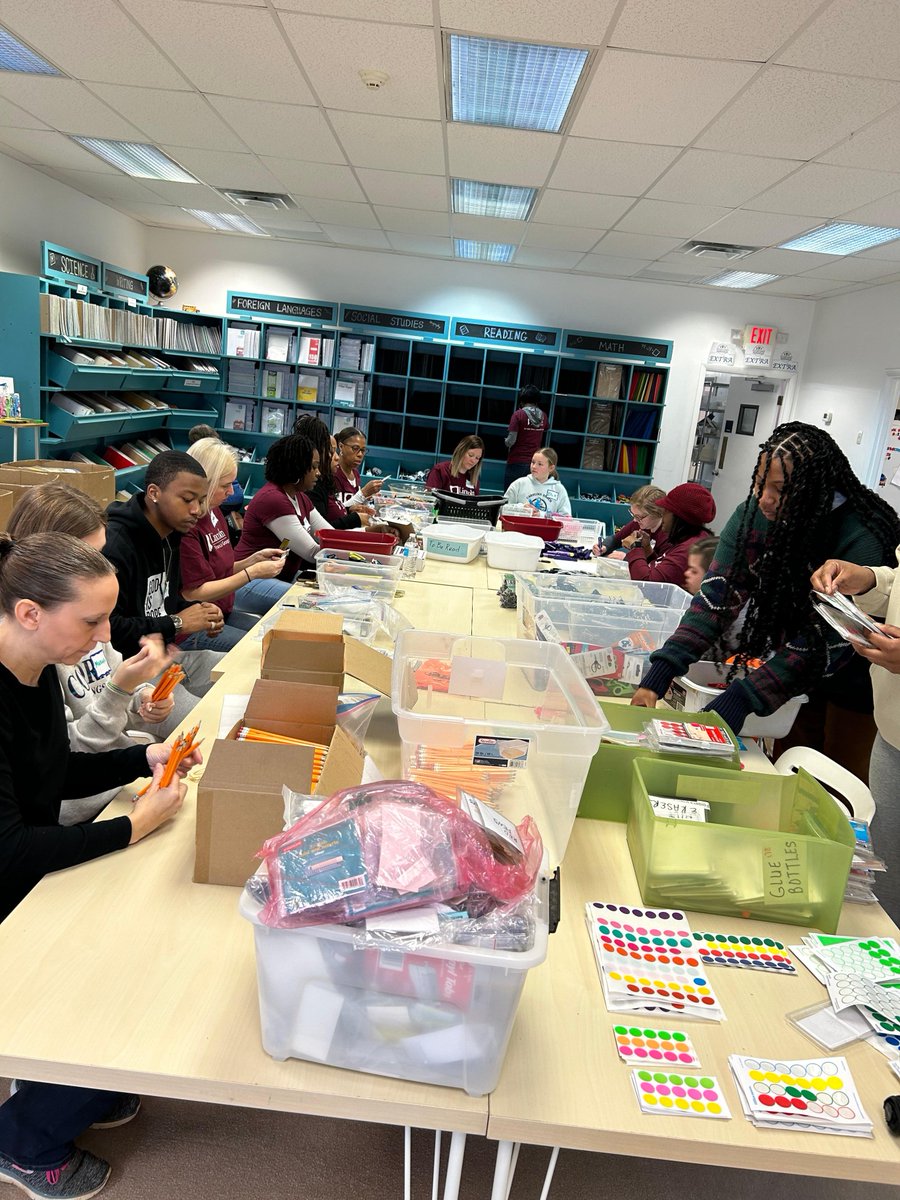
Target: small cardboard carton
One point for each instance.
(95, 481)
(239, 801)
(307, 647)
(7, 499)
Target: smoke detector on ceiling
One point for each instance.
(717, 251)
(374, 80)
(259, 202)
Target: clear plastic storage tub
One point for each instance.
(440, 1014)
(532, 591)
(703, 683)
(454, 542)
(340, 570)
(511, 721)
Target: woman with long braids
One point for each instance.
(324, 493)
(805, 505)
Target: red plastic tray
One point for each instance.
(542, 527)
(357, 539)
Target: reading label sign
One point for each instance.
(522, 335)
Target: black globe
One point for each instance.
(163, 282)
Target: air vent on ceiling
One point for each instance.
(259, 202)
(717, 251)
(664, 276)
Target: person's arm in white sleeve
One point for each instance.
(300, 540)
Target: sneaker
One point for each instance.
(82, 1176)
(125, 1109)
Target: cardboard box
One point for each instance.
(239, 801)
(7, 500)
(95, 481)
(307, 647)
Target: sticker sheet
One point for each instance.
(817, 1094)
(743, 950)
(655, 1046)
(678, 1095)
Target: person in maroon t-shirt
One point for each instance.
(461, 473)
(244, 589)
(348, 487)
(527, 427)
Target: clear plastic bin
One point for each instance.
(532, 590)
(442, 1014)
(520, 708)
(582, 530)
(773, 847)
(375, 574)
(698, 688)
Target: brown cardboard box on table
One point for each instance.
(95, 481)
(7, 500)
(307, 647)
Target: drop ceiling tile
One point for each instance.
(405, 188)
(210, 43)
(165, 116)
(885, 212)
(852, 37)
(889, 252)
(325, 180)
(404, 12)
(280, 130)
(558, 237)
(668, 219)
(91, 39)
(333, 51)
(284, 223)
(606, 264)
(783, 262)
(66, 105)
(389, 143)
(341, 212)
(52, 149)
(797, 285)
(18, 118)
(102, 186)
(187, 195)
(729, 31)
(220, 169)
(581, 208)
(413, 220)
(684, 264)
(435, 247)
(657, 98)
(487, 229)
(612, 168)
(636, 245)
(559, 260)
(347, 235)
(713, 177)
(853, 270)
(745, 228)
(162, 214)
(876, 147)
(570, 21)
(825, 190)
(787, 113)
(515, 156)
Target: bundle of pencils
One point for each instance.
(167, 683)
(246, 733)
(183, 746)
(445, 771)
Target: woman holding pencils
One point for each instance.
(56, 597)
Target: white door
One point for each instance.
(739, 450)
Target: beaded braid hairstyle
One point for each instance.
(815, 468)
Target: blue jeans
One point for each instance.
(39, 1123)
(251, 602)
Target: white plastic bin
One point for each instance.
(692, 692)
(441, 1014)
(452, 542)
(374, 574)
(513, 551)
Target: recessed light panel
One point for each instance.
(226, 222)
(739, 279)
(520, 85)
(496, 252)
(136, 159)
(492, 199)
(16, 56)
(841, 238)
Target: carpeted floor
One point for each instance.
(177, 1150)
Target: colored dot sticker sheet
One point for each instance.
(814, 1094)
(845, 990)
(655, 1046)
(875, 959)
(743, 950)
(675, 1095)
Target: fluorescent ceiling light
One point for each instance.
(483, 251)
(739, 279)
(517, 84)
(226, 222)
(841, 238)
(492, 199)
(136, 159)
(15, 56)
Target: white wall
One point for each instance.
(732, 483)
(209, 265)
(36, 208)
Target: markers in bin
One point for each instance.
(246, 733)
(183, 746)
(167, 683)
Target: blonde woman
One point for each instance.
(244, 589)
(462, 472)
(646, 517)
(541, 488)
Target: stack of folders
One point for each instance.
(280, 345)
(242, 377)
(242, 341)
(350, 352)
(690, 737)
(818, 1095)
(648, 963)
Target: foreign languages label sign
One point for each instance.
(283, 307)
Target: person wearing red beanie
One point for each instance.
(687, 511)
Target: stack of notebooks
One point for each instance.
(83, 404)
(316, 351)
(83, 319)
(280, 345)
(242, 341)
(689, 737)
(648, 962)
(242, 377)
(818, 1095)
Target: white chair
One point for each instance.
(851, 793)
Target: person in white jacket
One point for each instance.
(541, 489)
(877, 591)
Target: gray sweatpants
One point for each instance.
(884, 783)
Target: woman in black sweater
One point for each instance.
(56, 596)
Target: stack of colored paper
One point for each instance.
(647, 962)
(818, 1095)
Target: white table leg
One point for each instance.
(548, 1178)
(512, 1169)
(502, 1170)
(454, 1166)
(407, 1162)
(436, 1169)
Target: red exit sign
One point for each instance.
(758, 335)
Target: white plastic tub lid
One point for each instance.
(448, 531)
(526, 540)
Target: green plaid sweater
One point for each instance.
(792, 670)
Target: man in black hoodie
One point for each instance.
(142, 541)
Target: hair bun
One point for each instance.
(6, 545)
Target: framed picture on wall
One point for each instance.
(746, 422)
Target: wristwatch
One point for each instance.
(177, 622)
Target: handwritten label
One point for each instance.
(785, 874)
(679, 810)
(495, 825)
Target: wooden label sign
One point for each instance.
(404, 322)
(624, 344)
(68, 265)
(283, 307)
(514, 335)
(124, 283)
